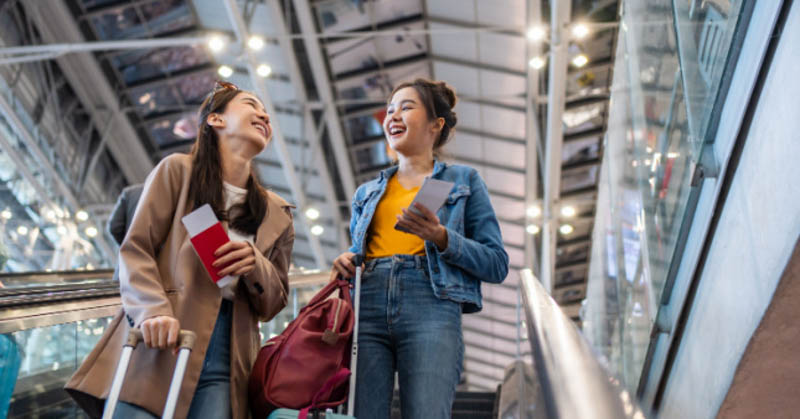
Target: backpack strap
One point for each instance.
(340, 377)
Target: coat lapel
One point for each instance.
(277, 220)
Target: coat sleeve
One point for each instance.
(268, 284)
(117, 221)
(141, 287)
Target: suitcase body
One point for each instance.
(296, 414)
(292, 414)
(185, 343)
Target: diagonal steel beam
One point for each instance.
(240, 28)
(559, 42)
(325, 91)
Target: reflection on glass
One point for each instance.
(666, 79)
(48, 356)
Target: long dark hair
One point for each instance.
(205, 185)
(438, 98)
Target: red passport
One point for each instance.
(207, 235)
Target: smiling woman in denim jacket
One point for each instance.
(415, 286)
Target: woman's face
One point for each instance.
(406, 125)
(245, 119)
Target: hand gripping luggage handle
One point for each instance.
(186, 339)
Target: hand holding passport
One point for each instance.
(431, 195)
(207, 235)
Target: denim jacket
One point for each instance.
(474, 250)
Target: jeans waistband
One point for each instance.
(405, 261)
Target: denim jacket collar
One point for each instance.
(385, 174)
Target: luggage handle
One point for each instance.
(186, 339)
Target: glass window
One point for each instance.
(140, 65)
(155, 99)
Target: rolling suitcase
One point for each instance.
(351, 395)
(186, 340)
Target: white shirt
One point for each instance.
(234, 195)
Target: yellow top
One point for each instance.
(383, 240)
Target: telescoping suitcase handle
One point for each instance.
(186, 339)
(351, 395)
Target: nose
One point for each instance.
(264, 117)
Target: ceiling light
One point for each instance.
(264, 70)
(216, 43)
(89, 266)
(91, 231)
(568, 211)
(255, 43)
(6, 214)
(82, 215)
(225, 71)
(534, 211)
(536, 33)
(673, 155)
(312, 213)
(536, 63)
(317, 230)
(22, 230)
(580, 60)
(580, 30)
(566, 229)
(61, 230)
(532, 229)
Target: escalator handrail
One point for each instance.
(573, 382)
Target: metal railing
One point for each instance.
(572, 382)
(42, 299)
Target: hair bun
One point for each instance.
(448, 93)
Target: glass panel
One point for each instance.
(139, 65)
(167, 16)
(45, 359)
(175, 129)
(705, 31)
(151, 19)
(661, 100)
(118, 24)
(155, 98)
(363, 127)
(195, 87)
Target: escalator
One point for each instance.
(55, 319)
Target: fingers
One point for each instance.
(227, 247)
(426, 213)
(334, 275)
(160, 332)
(241, 264)
(344, 265)
(172, 335)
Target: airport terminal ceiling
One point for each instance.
(95, 92)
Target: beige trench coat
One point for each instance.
(160, 274)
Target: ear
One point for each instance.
(438, 124)
(215, 120)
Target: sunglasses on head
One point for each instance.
(223, 85)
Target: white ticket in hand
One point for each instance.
(431, 195)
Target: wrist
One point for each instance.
(441, 238)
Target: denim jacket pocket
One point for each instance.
(461, 191)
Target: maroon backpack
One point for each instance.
(307, 358)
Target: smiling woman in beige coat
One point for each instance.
(164, 286)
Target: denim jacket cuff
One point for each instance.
(454, 242)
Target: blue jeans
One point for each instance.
(212, 398)
(404, 327)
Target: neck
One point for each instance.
(420, 164)
(235, 166)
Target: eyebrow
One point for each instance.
(253, 101)
(404, 101)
